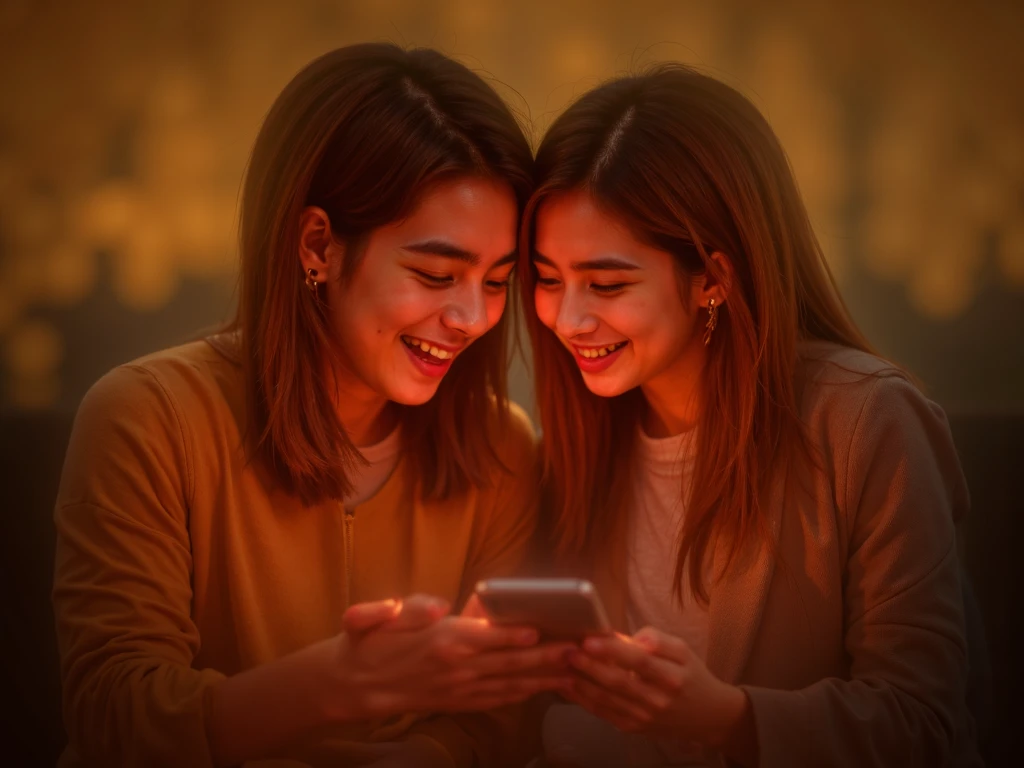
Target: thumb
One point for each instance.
(474, 609)
(419, 612)
(363, 617)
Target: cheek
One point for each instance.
(547, 304)
(495, 308)
(658, 334)
(405, 305)
(642, 320)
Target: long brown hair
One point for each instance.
(691, 167)
(362, 132)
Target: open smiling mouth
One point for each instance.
(594, 352)
(596, 359)
(427, 352)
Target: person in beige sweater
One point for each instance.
(259, 534)
(766, 507)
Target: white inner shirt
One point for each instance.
(663, 469)
(368, 479)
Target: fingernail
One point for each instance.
(593, 644)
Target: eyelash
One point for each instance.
(439, 281)
(551, 282)
(443, 281)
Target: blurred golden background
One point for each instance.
(126, 126)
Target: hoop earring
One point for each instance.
(709, 326)
(312, 283)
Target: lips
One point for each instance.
(593, 359)
(430, 358)
(431, 350)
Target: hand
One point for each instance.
(396, 658)
(415, 612)
(654, 683)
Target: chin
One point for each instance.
(605, 386)
(409, 393)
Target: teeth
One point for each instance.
(600, 351)
(426, 346)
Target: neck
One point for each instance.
(367, 416)
(675, 396)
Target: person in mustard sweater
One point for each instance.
(766, 507)
(348, 441)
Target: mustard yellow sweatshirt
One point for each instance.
(179, 563)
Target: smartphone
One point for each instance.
(560, 609)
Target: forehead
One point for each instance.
(468, 211)
(571, 224)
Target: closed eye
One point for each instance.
(434, 279)
(501, 284)
(608, 287)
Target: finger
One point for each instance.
(664, 645)
(549, 657)
(618, 649)
(633, 654)
(604, 703)
(474, 609)
(663, 673)
(480, 634)
(622, 682)
(365, 616)
(419, 612)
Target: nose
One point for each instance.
(574, 317)
(467, 311)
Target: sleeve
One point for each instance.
(122, 583)
(509, 735)
(904, 703)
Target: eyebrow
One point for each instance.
(607, 263)
(450, 251)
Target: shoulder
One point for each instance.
(161, 399)
(182, 378)
(133, 428)
(519, 426)
(833, 364)
(836, 384)
(513, 438)
(874, 422)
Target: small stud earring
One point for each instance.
(312, 283)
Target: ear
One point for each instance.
(715, 283)
(318, 251)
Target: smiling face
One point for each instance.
(425, 288)
(619, 305)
